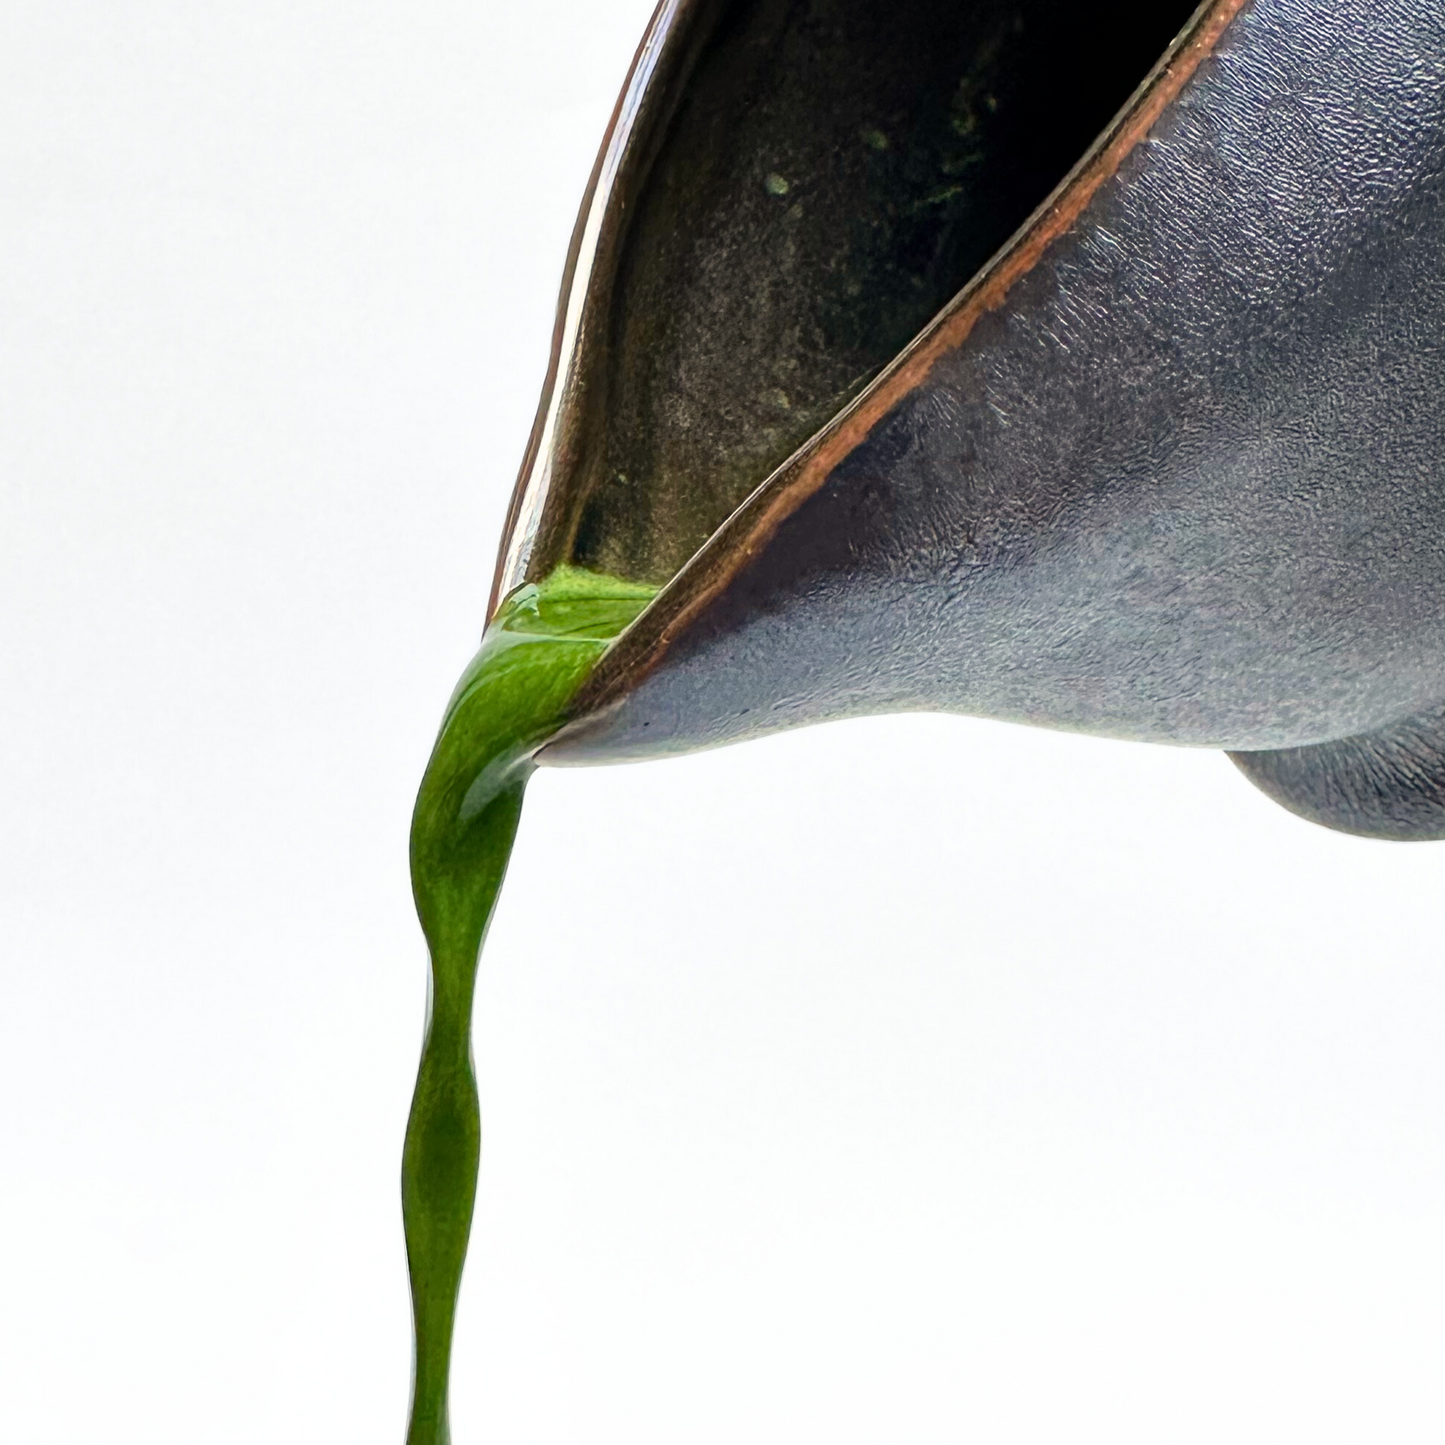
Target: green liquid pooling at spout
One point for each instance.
(542, 644)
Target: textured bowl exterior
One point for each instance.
(1179, 478)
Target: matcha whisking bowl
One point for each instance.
(1074, 365)
(1068, 365)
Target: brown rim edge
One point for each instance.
(753, 525)
(564, 301)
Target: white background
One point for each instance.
(915, 1079)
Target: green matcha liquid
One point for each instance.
(540, 647)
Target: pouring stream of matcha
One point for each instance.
(539, 649)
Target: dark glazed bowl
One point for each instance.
(923, 383)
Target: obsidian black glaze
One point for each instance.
(1171, 468)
